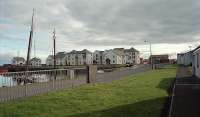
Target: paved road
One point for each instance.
(121, 73)
(186, 97)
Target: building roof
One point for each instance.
(60, 54)
(120, 49)
(197, 48)
(162, 55)
(18, 59)
(98, 51)
(50, 56)
(80, 52)
(180, 54)
(35, 59)
(131, 50)
(85, 51)
(188, 52)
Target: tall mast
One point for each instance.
(54, 47)
(30, 42)
(34, 49)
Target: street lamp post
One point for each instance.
(150, 50)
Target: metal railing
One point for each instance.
(14, 85)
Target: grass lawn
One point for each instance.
(141, 95)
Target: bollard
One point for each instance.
(91, 73)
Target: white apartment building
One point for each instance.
(112, 57)
(132, 56)
(83, 57)
(60, 59)
(120, 56)
(98, 57)
(35, 62)
(19, 61)
(49, 60)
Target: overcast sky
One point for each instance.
(170, 25)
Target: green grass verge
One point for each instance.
(141, 95)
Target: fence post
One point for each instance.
(91, 73)
(25, 81)
(70, 73)
(54, 78)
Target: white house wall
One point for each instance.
(197, 63)
(180, 59)
(18, 62)
(35, 63)
(132, 58)
(185, 58)
(89, 58)
(137, 58)
(77, 59)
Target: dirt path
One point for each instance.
(186, 95)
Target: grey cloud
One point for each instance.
(161, 21)
(5, 58)
(110, 22)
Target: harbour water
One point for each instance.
(7, 81)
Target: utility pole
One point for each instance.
(30, 43)
(151, 60)
(54, 53)
(54, 47)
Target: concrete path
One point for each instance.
(186, 95)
